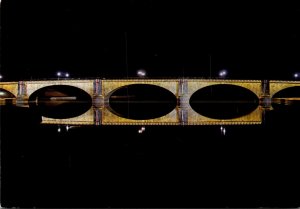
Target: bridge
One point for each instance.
(22, 93)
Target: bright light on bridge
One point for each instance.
(62, 74)
(296, 75)
(141, 73)
(223, 73)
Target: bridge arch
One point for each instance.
(223, 101)
(60, 101)
(277, 86)
(110, 86)
(11, 87)
(140, 98)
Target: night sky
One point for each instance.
(167, 38)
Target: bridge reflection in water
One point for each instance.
(116, 102)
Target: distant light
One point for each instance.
(67, 128)
(58, 73)
(1, 77)
(141, 130)
(223, 130)
(223, 73)
(2, 93)
(67, 75)
(141, 73)
(296, 75)
(58, 130)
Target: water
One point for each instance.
(164, 166)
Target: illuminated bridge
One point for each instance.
(98, 96)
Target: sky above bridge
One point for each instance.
(166, 38)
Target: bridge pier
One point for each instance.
(183, 102)
(98, 101)
(22, 98)
(265, 100)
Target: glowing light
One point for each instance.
(2, 93)
(223, 130)
(141, 130)
(59, 129)
(296, 75)
(141, 73)
(223, 73)
(1, 77)
(67, 128)
(58, 73)
(67, 75)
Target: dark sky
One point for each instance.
(167, 38)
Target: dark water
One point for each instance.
(165, 166)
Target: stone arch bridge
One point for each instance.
(101, 89)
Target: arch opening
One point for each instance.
(142, 101)
(60, 101)
(287, 99)
(224, 101)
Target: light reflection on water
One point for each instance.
(220, 164)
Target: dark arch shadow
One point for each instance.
(224, 101)
(6, 97)
(60, 101)
(141, 101)
(287, 100)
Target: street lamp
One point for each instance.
(223, 73)
(296, 75)
(58, 75)
(61, 74)
(141, 73)
(1, 77)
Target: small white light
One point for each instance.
(140, 131)
(223, 73)
(296, 75)
(67, 75)
(141, 73)
(1, 77)
(58, 73)
(59, 130)
(67, 128)
(143, 128)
